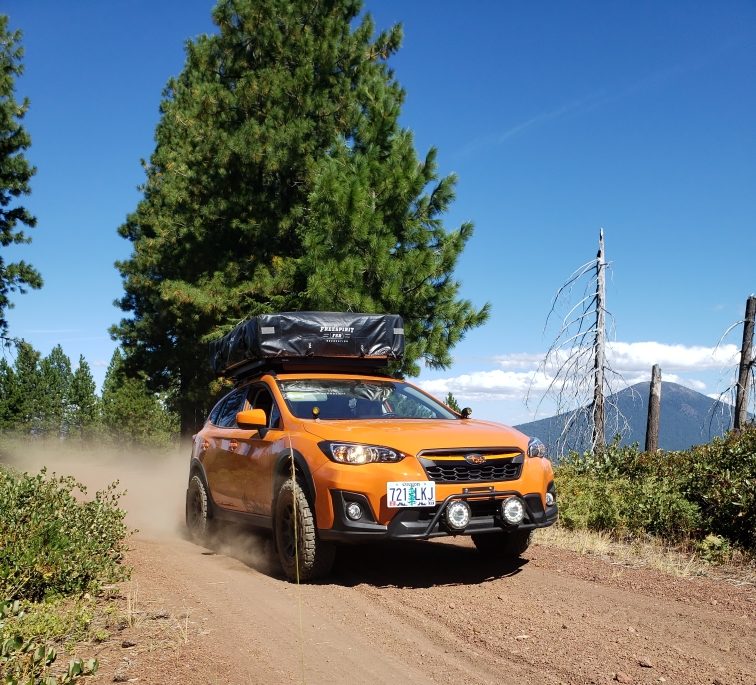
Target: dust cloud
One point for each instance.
(153, 482)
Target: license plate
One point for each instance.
(409, 494)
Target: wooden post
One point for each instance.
(746, 364)
(598, 441)
(654, 402)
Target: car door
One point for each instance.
(259, 459)
(220, 461)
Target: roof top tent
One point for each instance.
(309, 341)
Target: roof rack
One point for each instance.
(365, 366)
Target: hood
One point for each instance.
(414, 435)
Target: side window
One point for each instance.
(231, 406)
(216, 412)
(264, 401)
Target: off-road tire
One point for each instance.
(505, 545)
(199, 516)
(315, 556)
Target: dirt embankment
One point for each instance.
(421, 613)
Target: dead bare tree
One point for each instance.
(580, 377)
(744, 387)
(654, 405)
(746, 366)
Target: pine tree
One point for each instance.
(7, 392)
(15, 173)
(83, 401)
(452, 403)
(27, 399)
(131, 414)
(56, 376)
(282, 180)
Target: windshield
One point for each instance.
(358, 399)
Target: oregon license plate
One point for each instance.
(411, 494)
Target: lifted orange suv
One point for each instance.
(321, 452)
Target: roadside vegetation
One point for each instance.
(45, 398)
(58, 549)
(699, 500)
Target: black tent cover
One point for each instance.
(374, 339)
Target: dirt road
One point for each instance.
(421, 613)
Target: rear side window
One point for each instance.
(213, 418)
(231, 406)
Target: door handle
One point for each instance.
(233, 445)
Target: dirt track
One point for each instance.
(421, 613)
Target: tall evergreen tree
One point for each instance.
(282, 180)
(83, 401)
(15, 173)
(56, 376)
(7, 392)
(27, 400)
(131, 414)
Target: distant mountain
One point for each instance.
(687, 418)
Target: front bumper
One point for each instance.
(429, 522)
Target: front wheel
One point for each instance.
(303, 555)
(505, 545)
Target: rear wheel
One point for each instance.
(303, 555)
(198, 514)
(505, 545)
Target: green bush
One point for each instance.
(624, 506)
(54, 544)
(25, 661)
(708, 490)
(721, 479)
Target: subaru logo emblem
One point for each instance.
(476, 459)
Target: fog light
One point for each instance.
(458, 514)
(354, 511)
(513, 510)
(550, 499)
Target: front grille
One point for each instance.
(451, 467)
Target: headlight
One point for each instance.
(537, 449)
(350, 453)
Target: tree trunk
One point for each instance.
(598, 440)
(746, 364)
(654, 401)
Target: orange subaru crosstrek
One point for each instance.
(323, 450)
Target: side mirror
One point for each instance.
(251, 419)
(466, 413)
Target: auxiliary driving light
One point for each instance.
(458, 514)
(513, 510)
(354, 511)
(550, 499)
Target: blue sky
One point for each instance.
(559, 118)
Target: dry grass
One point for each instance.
(651, 553)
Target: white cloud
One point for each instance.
(640, 357)
(521, 372)
(489, 385)
(643, 355)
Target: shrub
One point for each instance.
(708, 490)
(25, 661)
(54, 544)
(721, 479)
(624, 506)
